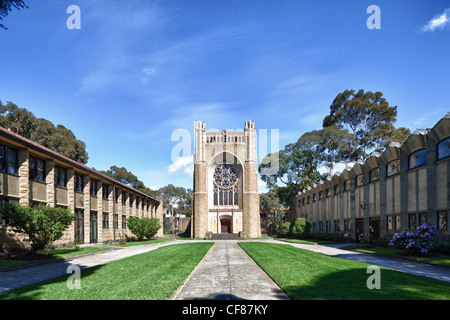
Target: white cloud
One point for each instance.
(262, 187)
(184, 164)
(438, 21)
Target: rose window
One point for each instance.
(225, 185)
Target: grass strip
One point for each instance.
(46, 256)
(139, 243)
(307, 275)
(440, 259)
(154, 275)
(306, 241)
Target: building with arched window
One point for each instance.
(225, 196)
(402, 187)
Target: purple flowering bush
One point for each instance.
(418, 242)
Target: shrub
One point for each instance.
(283, 230)
(380, 242)
(143, 227)
(299, 228)
(43, 225)
(443, 247)
(365, 238)
(418, 242)
(76, 243)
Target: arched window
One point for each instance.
(374, 175)
(443, 149)
(418, 158)
(393, 167)
(225, 185)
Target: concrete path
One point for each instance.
(228, 273)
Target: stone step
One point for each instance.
(225, 236)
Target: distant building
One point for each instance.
(403, 187)
(33, 174)
(225, 194)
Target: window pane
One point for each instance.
(63, 178)
(393, 167)
(442, 223)
(418, 158)
(32, 167)
(398, 224)
(412, 221)
(2, 157)
(57, 169)
(40, 174)
(360, 180)
(443, 148)
(390, 222)
(374, 175)
(422, 218)
(12, 161)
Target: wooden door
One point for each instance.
(94, 228)
(79, 226)
(374, 225)
(225, 225)
(359, 228)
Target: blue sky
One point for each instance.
(137, 71)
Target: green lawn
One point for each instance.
(154, 275)
(441, 259)
(306, 241)
(47, 256)
(139, 243)
(308, 275)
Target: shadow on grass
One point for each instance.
(351, 284)
(146, 275)
(38, 290)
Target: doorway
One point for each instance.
(359, 228)
(79, 226)
(94, 228)
(374, 227)
(225, 225)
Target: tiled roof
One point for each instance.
(8, 134)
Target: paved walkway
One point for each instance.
(226, 272)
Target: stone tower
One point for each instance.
(225, 193)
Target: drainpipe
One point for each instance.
(114, 212)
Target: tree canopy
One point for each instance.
(359, 123)
(297, 170)
(42, 131)
(7, 5)
(122, 175)
(368, 118)
(177, 197)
